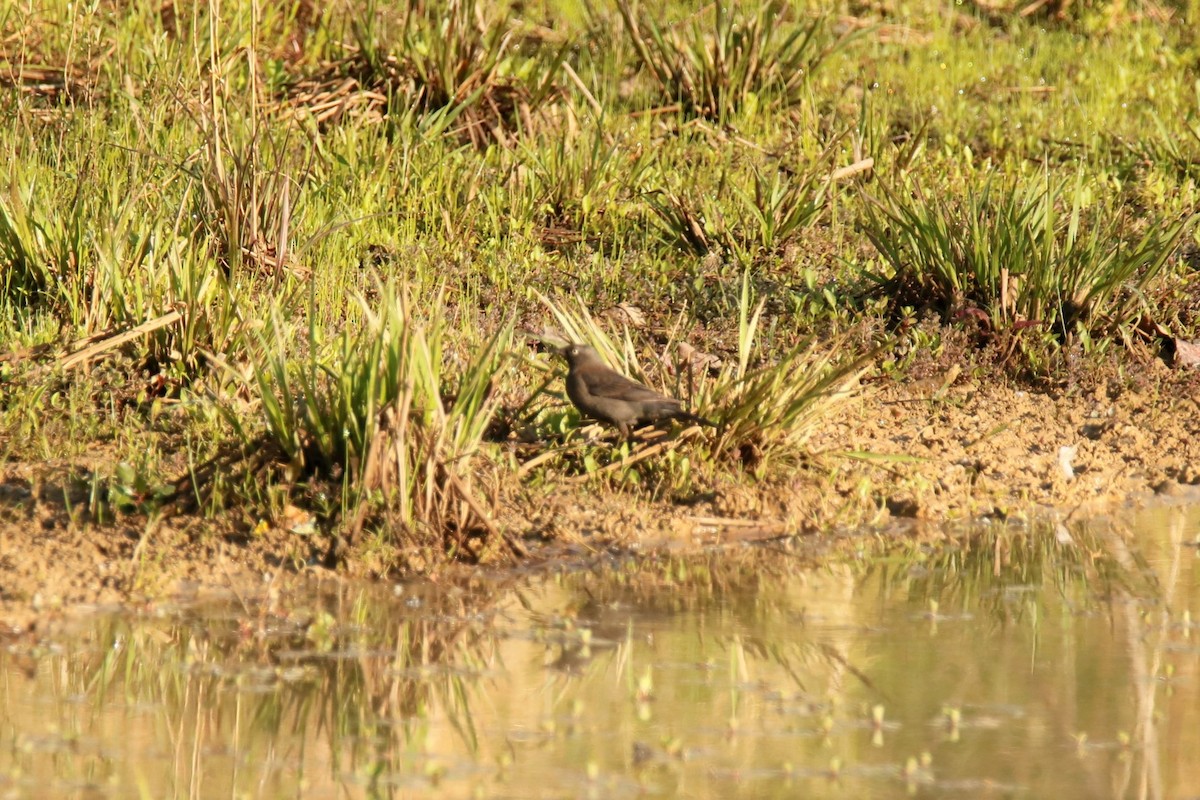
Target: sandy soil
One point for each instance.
(945, 448)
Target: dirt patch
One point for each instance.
(932, 450)
(981, 449)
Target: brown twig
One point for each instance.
(852, 169)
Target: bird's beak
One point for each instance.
(549, 341)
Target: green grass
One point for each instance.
(1015, 256)
(377, 416)
(308, 233)
(732, 60)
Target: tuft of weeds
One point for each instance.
(750, 224)
(781, 206)
(1173, 152)
(731, 61)
(127, 283)
(1008, 257)
(40, 247)
(379, 413)
(247, 194)
(577, 181)
(766, 412)
(453, 69)
(213, 320)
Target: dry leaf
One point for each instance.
(1187, 354)
(628, 314)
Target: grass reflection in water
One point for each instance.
(1043, 660)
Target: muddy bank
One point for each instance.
(928, 450)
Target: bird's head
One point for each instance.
(577, 354)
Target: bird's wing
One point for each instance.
(614, 384)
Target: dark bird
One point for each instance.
(607, 395)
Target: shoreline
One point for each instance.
(968, 451)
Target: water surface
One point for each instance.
(1044, 661)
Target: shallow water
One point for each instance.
(991, 662)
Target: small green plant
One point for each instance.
(379, 411)
(740, 62)
(781, 206)
(1008, 257)
(766, 412)
(138, 488)
(750, 223)
(457, 67)
(684, 222)
(41, 247)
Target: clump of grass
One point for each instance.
(683, 221)
(40, 247)
(247, 190)
(577, 180)
(379, 412)
(1173, 152)
(1007, 256)
(750, 223)
(732, 60)
(767, 411)
(245, 178)
(453, 67)
(213, 318)
(127, 283)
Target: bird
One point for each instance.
(602, 393)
